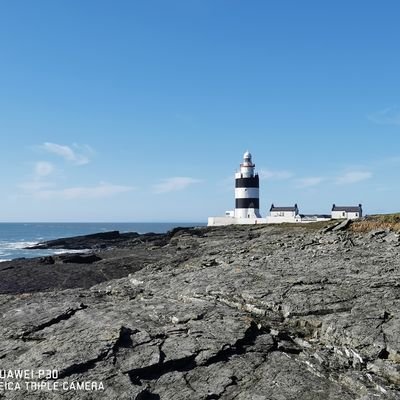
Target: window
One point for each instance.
(343, 214)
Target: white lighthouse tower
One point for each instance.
(247, 196)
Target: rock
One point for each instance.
(232, 315)
(49, 260)
(392, 237)
(96, 240)
(377, 233)
(342, 226)
(80, 259)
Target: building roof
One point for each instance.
(273, 208)
(347, 208)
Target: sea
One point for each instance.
(15, 237)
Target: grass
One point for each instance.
(377, 222)
(308, 226)
(286, 226)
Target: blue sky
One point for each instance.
(141, 110)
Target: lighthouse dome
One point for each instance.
(247, 155)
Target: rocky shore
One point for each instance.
(244, 313)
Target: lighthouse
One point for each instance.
(247, 197)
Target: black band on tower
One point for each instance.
(247, 203)
(247, 182)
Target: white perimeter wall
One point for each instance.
(222, 221)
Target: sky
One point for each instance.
(140, 111)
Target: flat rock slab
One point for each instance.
(246, 313)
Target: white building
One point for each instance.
(280, 215)
(346, 212)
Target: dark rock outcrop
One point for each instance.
(113, 239)
(244, 313)
(85, 241)
(80, 258)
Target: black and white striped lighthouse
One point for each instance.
(247, 185)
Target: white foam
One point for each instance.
(16, 245)
(4, 260)
(63, 251)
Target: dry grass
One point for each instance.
(377, 222)
(286, 226)
(309, 225)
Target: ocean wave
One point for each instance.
(16, 245)
(4, 259)
(63, 251)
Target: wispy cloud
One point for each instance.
(276, 175)
(83, 192)
(353, 177)
(42, 186)
(41, 172)
(43, 168)
(77, 156)
(174, 184)
(389, 115)
(309, 181)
